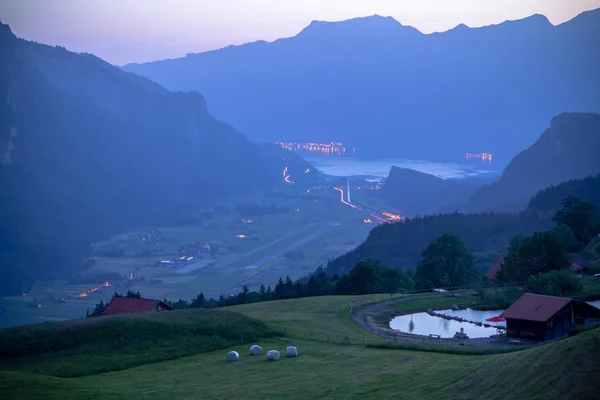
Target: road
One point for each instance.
(381, 217)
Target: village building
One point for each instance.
(126, 305)
(493, 271)
(537, 317)
(579, 265)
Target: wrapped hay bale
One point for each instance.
(272, 355)
(291, 351)
(255, 350)
(232, 356)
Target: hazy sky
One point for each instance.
(122, 31)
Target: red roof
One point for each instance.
(495, 268)
(496, 319)
(535, 307)
(124, 305)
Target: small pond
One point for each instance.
(425, 324)
(595, 303)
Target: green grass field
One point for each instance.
(566, 369)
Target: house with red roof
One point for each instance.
(493, 271)
(538, 317)
(127, 305)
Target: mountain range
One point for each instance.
(391, 91)
(88, 150)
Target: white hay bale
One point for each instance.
(232, 356)
(291, 351)
(272, 355)
(255, 350)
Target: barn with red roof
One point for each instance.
(127, 305)
(537, 317)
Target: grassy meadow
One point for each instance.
(566, 369)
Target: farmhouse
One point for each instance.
(537, 317)
(126, 305)
(493, 271)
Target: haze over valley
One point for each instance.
(400, 206)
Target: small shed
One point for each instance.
(127, 305)
(537, 317)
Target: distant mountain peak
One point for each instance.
(5, 30)
(535, 20)
(373, 25)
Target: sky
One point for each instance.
(124, 31)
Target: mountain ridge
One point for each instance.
(427, 96)
(564, 151)
(313, 23)
(88, 150)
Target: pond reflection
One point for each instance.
(425, 324)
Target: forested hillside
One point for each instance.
(487, 235)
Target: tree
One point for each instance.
(198, 301)
(531, 255)
(554, 283)
(372, 277)
(581, 217)
(446, 262)
(98, 310)
(262, 289)
(133, 295)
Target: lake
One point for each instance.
(379, 169)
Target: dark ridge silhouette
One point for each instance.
(568, 149)
(416, 192)
(392, 91)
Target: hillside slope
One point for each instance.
(87, 150)
(559, 370)
(390, 91)
(416, 192)
(400, 245)
(566, 150)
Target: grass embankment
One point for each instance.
(435, 303)
(564, 369)
(324, 319)
(93, 345)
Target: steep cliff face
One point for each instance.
(88, 150)
(568, 149)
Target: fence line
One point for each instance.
(395, 336)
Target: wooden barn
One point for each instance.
(126, 305)
(537, 317)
